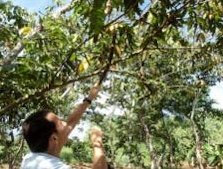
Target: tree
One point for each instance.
(160, 56)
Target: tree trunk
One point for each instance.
(149, 144)
(197, 133)
(152, 155)
(198, 146)
(161, 158)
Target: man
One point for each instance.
(45, 134)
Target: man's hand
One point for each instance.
(96, 137)
(94, 92)
(99, 160)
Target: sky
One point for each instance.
(216, 93)
(33, 5)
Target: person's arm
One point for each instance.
(77, 113)
(99, 159)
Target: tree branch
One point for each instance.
(26, 99)
(65, 8)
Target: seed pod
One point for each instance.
(117, 50)
(108, 7)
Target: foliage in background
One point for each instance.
(162, 57)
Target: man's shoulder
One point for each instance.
(42, 161)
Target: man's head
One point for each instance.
(45, 132)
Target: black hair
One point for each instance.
(37, 131)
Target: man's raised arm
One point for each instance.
(77, 113)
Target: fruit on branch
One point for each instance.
(83, 66)
(25, 31)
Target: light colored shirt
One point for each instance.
(42, 161)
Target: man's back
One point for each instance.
(42, 161)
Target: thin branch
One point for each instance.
(164, 24)
(137, 52)
(125, 73)
(109, 62)
(18, 151)
(194, 105)
(26, 99)
(17, 49)
(174, 48)
(65, 8)
(66, 91)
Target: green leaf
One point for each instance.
(97, 16)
